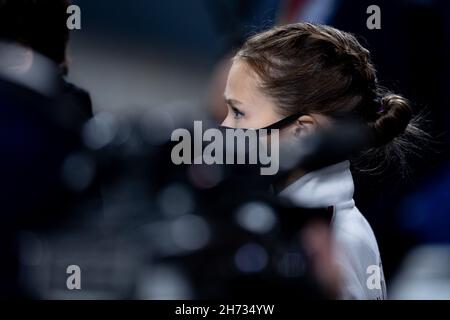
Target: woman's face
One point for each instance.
(248, 107)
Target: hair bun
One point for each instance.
(396, 114)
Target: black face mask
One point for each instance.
(250, 174)
(283, 123)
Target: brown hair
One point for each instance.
(311, 68)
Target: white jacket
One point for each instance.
(355, 247)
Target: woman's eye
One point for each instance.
(237, 114)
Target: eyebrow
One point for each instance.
(232, 102)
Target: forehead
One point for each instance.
(243, 83)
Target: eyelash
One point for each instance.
(237, 114)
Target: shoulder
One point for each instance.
(356, 252)
(350, 228)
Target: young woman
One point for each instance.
(321, 73)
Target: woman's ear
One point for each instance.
(304, 125)
(310, 123)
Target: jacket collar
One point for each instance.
(329, 186)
